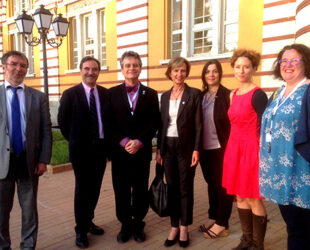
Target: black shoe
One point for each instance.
(95, 230)
(123, 236)
(139, 235)
(169, 243)
(184, 243)
(81, 240)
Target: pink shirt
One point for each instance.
(87, 92)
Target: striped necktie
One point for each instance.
(93, 115)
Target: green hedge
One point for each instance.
(60, 152)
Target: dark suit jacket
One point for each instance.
(142, 125)
(220, 116)
(189, 121)
(38, 131)
(74, 118)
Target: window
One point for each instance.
(203, 27)
(88, 37)
(230, 32)
(19, 44)
(75, 58)
(20, 5)
(176, 28)
(103, 54)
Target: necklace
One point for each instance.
(176, 96)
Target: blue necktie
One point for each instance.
(17, 139)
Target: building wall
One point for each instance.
(144, 26)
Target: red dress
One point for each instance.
(241, 160)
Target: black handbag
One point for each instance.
(158, 193)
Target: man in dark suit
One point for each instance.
(25, 148)
(82, 118)
(134, 122)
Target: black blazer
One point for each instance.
(189, 121)
(74, 117)
(142, 125)
(220, 116)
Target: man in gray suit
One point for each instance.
(25, 148)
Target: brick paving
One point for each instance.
(56, 219)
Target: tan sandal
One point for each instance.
(202, 228)
(209, 234)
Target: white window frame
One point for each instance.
(188, 29)
(19, 42)
(97, 30)
(74, 44)
(18, 6)
(102, 37)
(89, 33)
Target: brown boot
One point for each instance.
(245, 216)
(259, 231)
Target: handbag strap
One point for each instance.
(159, 171)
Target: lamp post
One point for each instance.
(43, 18)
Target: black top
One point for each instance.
(259, 103)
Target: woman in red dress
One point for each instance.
(241, 160)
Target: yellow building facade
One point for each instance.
(158, 30)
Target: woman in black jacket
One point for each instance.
(178, 147)
(216, 128)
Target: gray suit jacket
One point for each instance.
(38, 131)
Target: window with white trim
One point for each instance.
(103, 53)
(74, 45)
(20, 5)
(19, 44)
(88, 37)
(203, 27)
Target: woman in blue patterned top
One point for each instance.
(284, 149)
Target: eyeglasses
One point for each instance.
(15, 65)
(292, 62)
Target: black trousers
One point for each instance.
(297, 225)
(180, 180)
(220, 203)
(130, 175)
(89, 167)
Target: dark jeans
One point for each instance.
(297, 225)
(220, 203)
(180, 180)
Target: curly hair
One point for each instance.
(205, 68)
(177, 62)
(252, 55)
(302, 50)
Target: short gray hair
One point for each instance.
(130, 54)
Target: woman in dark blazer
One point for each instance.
(178, 147)
(216, 128)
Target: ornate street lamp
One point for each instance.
(43, 18)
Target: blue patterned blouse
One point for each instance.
(284, 174)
